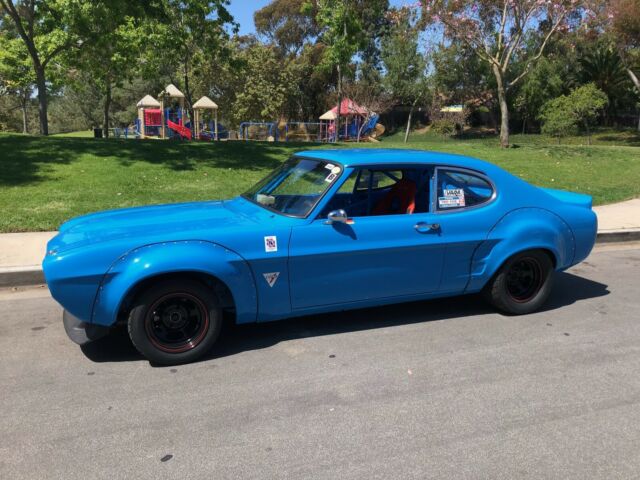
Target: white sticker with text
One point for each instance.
(330, 178)
(271, 244)
(452, 197)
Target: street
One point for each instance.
(440, 389)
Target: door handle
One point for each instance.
(424, 227)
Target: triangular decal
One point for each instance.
(271, 278)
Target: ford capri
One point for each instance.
(329, 230)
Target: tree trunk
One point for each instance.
(23, 106)
(187, 97)
(41, 83)
(406, 133)
(107, 107)
(636, 82)
(339, 103)
(504, 108)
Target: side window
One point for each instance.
(384, 191)
(458, 189)
(379, 179)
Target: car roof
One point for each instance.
(353, 157)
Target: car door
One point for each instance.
(372, 257)
(464, 205)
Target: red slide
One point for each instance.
(184, 132)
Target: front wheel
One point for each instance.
(523, 283)
(175, 322)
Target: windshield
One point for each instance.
(295, 187)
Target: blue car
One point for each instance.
(328, 230)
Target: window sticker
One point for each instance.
(331, 177)
(271, 244)
(329, 166)
(335, 170)
(451, 197)
(271, 278)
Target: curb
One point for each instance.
(631, 235)
(21, 276)
(33, 275)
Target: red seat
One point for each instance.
(400, 199)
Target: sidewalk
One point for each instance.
(21, 253)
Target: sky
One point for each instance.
(242, 11)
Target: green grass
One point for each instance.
(45, 181)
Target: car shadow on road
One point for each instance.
(568, 289)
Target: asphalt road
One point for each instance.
(444, 389)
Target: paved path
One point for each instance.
(445, 389)
(619, 216)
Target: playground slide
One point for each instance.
(184, 132)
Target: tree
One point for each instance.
(187, 37)
(266, 85)
(111, 59)
(16, 74)
(562, 115)
(47, 29)
(286, 24)
(622, 17)
(545, 82)
(603, 66)
(495, 30)
(342, 34)
(558, 120)
(404, 63)
(51, 28)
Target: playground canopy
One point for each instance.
(171, 91)
(148, 102)
(205, 103)
(347, 107)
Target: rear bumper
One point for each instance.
(81, 332)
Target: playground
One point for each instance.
(167, 117)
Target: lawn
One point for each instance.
(44, 181)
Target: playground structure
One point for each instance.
(358, 124)
(167, 117)
(174, 122)
(149, 121)
(204, 131)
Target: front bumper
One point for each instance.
(81, 332)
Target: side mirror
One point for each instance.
(337, 216)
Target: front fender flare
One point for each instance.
(176, 257)
(520, 230)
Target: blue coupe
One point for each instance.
(328, 230)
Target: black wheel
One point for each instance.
(523, 283)
(175, 322)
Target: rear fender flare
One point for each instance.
(520, 230)
(177, 257)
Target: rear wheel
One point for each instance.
(175, 321)
(523, 283)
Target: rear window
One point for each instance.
(460, 189)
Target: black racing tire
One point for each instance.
(175, 321)
(523, 283)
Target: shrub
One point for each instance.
(561, 116)
(445, 127)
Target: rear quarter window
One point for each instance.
(457, 189)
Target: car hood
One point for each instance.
(149, 224)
